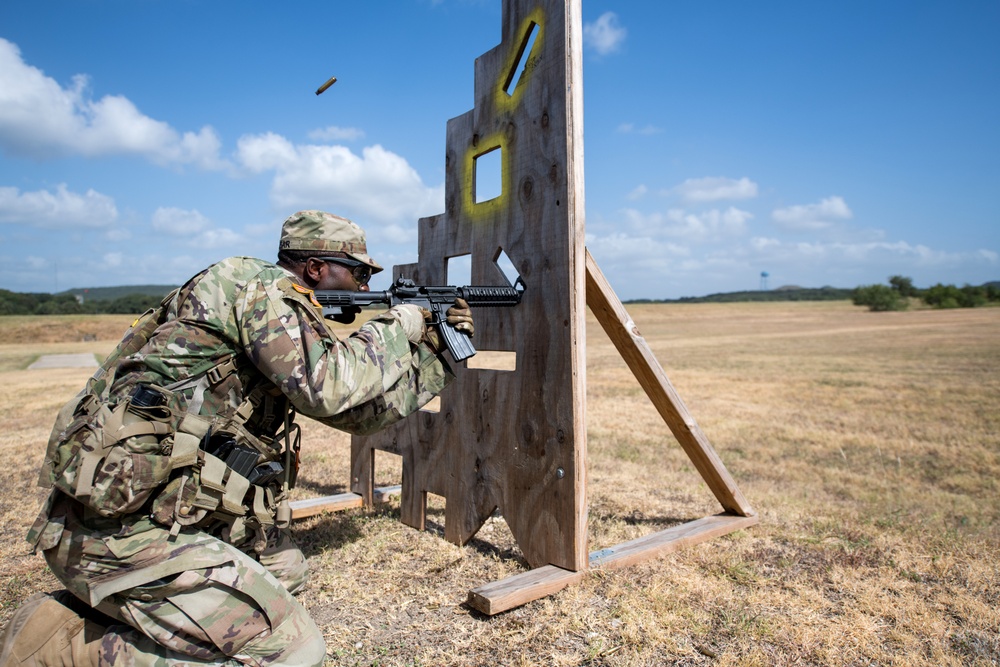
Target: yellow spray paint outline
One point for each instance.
(502, 102)
(490, 206)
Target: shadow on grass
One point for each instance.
(480, 546)
(329, 531)
(639, 518)
(320, 488)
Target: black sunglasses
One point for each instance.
(361, 272)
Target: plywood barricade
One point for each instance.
(513, 439)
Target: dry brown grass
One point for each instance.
(869, 443)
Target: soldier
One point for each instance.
(167, 520)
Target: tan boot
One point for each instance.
(47, 632)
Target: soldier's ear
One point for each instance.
(312, 270)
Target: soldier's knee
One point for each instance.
(311, 651)
(296, 641)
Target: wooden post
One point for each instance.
(622, 331)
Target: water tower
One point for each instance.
(763, 280)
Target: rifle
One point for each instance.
(435, 299)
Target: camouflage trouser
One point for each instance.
(188, 599)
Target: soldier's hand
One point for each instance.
(412, 319)
(460, 317)
(431, 335)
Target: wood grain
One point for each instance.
(513, 440)
(339, 502)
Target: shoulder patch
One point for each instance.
(308, 292)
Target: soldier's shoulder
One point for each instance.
(216, 288)
(260, 280)
(239, 271)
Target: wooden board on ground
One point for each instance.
(339, 502)
(520, 589)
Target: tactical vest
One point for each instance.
(152, 454)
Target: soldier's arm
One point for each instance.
(411, 393)
(356, 383)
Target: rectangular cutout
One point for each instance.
(458, 270)
(388, 468)
(493, 360)
(488, 175)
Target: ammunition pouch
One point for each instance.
(147, 453)
(192, 470)
(112, 458)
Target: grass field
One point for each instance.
(869, 443)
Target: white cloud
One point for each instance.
(218, 238)
(36, 263)
(632, 251)
(705, 226)
(637, 193)
(708, 225)
(377, 184)
(179, 222)
(199, 231)
(813, 216)
(40, 118)
(398, 234)
(604, 35)
(715, 188)
(61, 209)
(646, 130)
(635, 260)
(334, 133)
(112, 260)
(263, 152)
(873, 257)
(118, 234)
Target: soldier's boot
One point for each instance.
(47, 632)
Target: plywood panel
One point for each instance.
(513, 440)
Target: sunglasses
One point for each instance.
(361, 272)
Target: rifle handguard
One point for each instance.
(437, 299)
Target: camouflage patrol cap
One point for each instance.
(318, 230)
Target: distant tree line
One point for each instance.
(894, 296)
(900, 290)
(26, 303)
(780, 294)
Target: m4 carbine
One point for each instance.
(435, 299)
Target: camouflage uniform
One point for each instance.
(184, 555)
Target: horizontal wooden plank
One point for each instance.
(520, 589)
(669, 540)
(523, 588)
(337, 503)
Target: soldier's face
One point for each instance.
(335, 276)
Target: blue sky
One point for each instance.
(832, 143)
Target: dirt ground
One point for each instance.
(869, 443)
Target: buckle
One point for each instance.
(217, 374)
